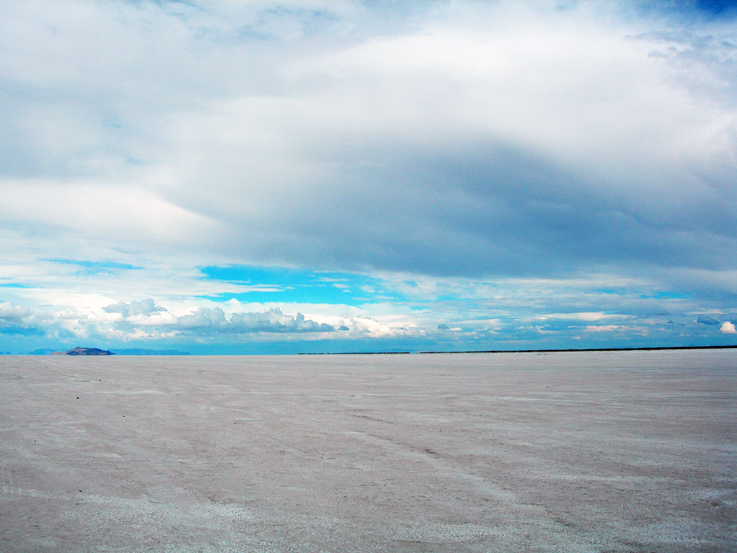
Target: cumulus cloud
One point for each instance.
(144, 320)
(203, 318)
(728, 328)
(275, 321)
(142, 307)
(16, 320)
(13, 314)
(214, 321)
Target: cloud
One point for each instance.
(19, 321)
(143, 307)
(511, 135)
(706, 320)
(144, 320)
(728, 328)
(602, 328)
(203, 318)
(497, 149)
(103, 210)
(214, 321)
(13, 314)
(275, 321)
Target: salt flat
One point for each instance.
(574, 452)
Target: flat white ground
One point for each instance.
(569, 452)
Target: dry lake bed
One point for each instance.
(571, 452)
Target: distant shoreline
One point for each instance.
(172, 353)
(520, 350)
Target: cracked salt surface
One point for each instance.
(569, 452)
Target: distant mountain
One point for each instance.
(140, 351)
(87, 351)
(128, 351)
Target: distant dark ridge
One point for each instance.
(582, 349)
(83, 351)
(140, 351)
(129, 351)
(374, 353)
(523, 350)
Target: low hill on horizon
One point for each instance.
(125, 351)
(84, 351)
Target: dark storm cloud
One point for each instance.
(503, 212)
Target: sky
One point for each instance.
(325, 177)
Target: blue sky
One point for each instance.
(286, 177)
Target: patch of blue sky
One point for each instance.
(709, 9)
(280, 284)
(717, 8)
(21, 330)
(666, 296)
(453, 298)
(13, 285)
(611, 291)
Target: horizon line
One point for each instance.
(569, 350)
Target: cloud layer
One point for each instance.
(462, 139)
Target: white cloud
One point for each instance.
(121, 214)
(371, 327)
(602, 328)
(142, 307)
(589, 317)
(213, 321)
(728, 328)
(13, 313)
